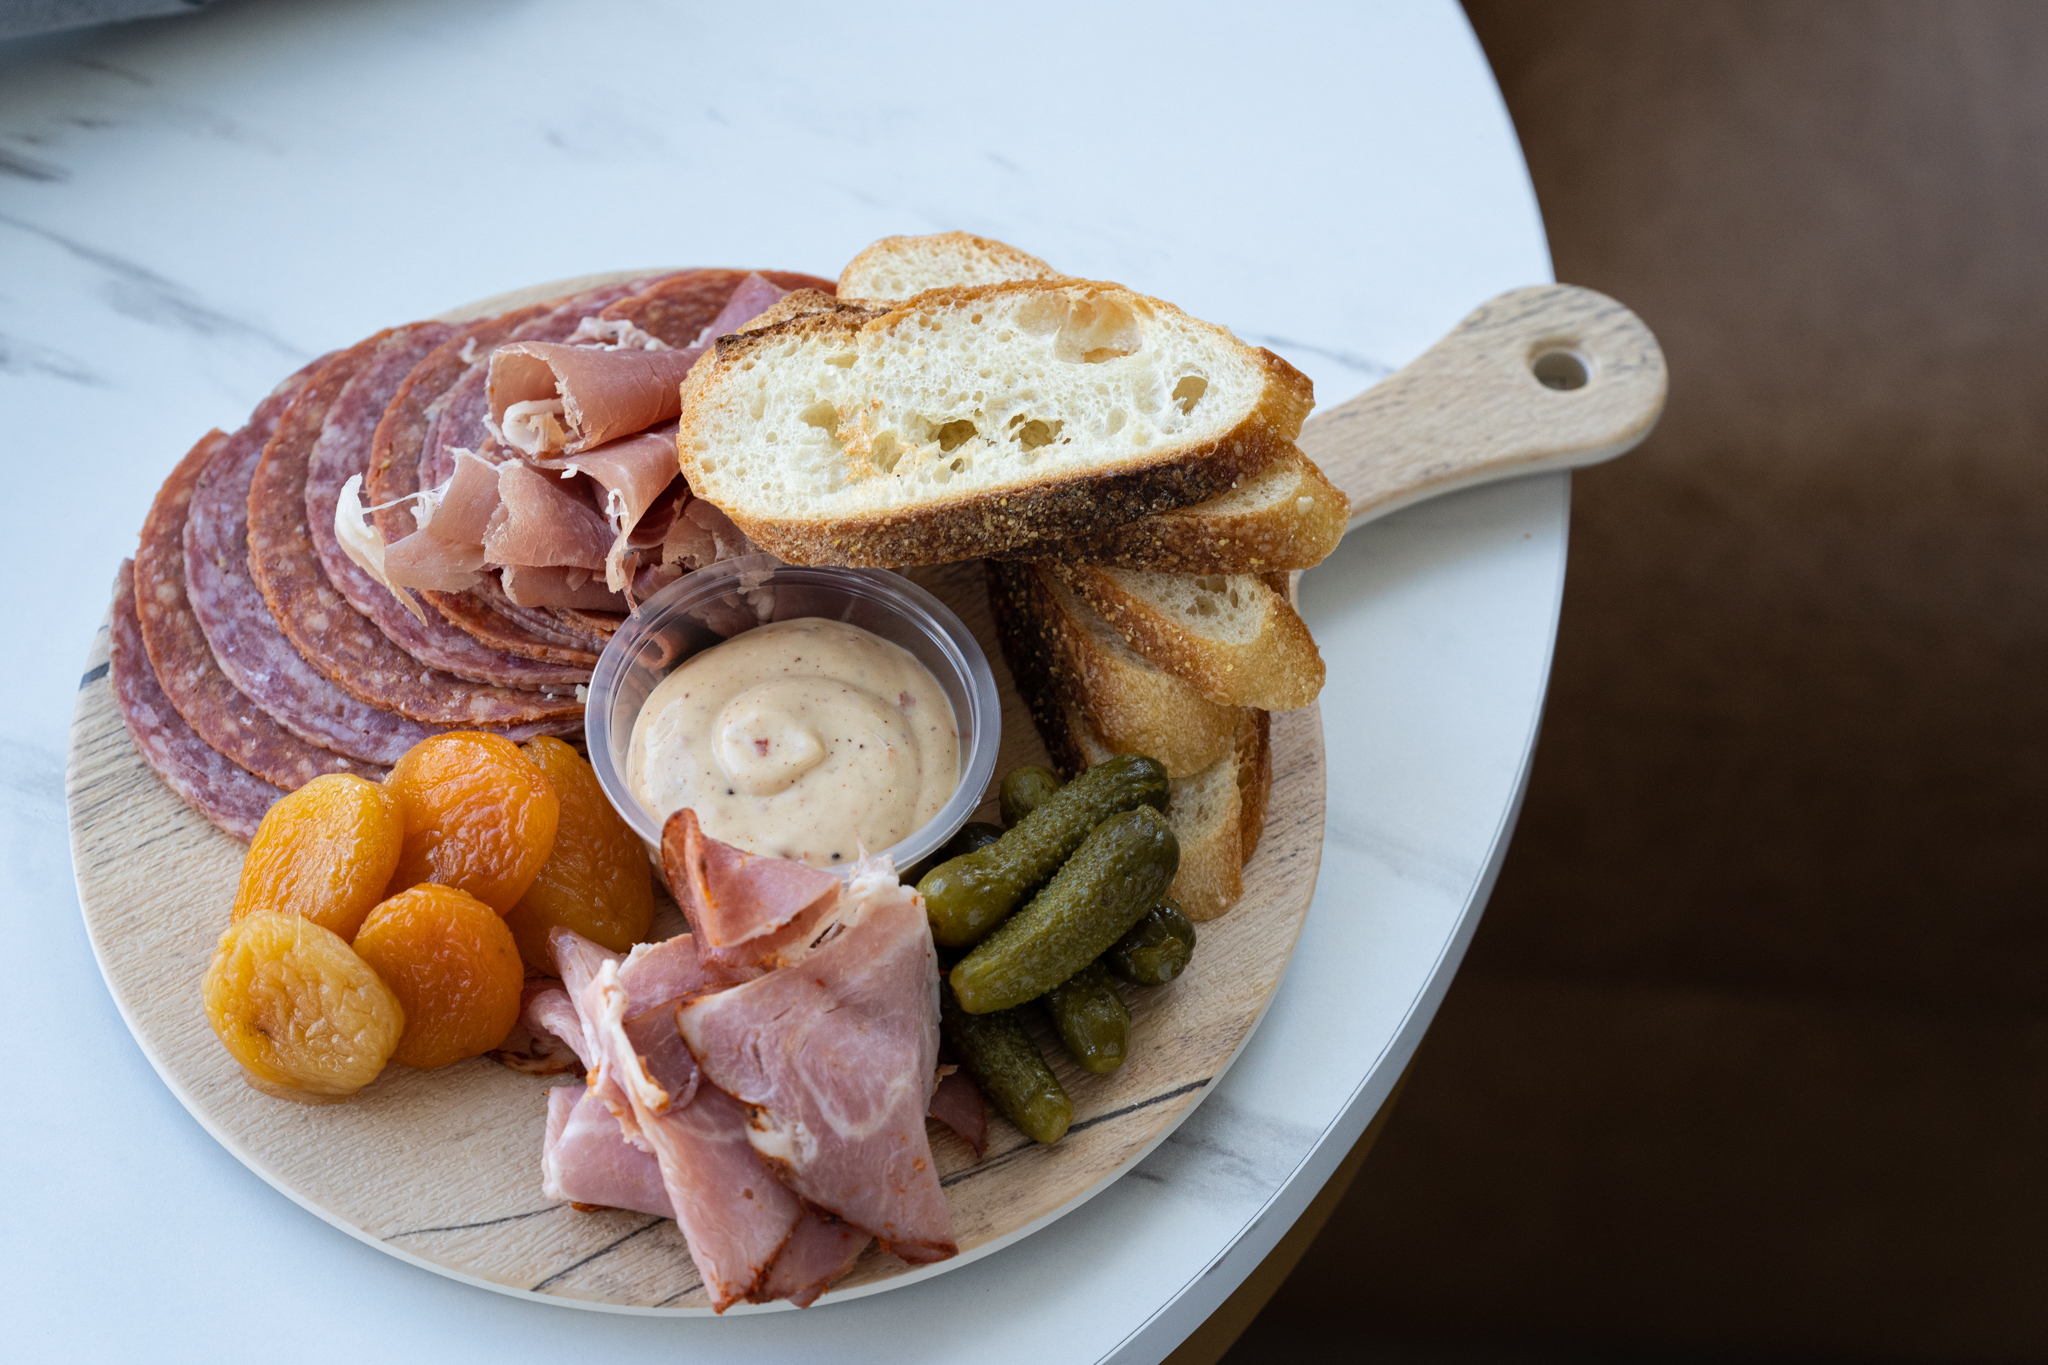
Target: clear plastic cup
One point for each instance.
(715, 603)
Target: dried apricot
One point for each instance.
(452, 962)
(479, 816)
(326, 851)
(298, 1008)
(597, 881)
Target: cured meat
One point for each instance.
(634, 473)
(447, 552)
(734, 1213)
(956, 1102)
(551, 398)
(550, 1013)
(544, 525)
(394, 477)
(346, 647)
(183, 662)
(227, 795)
(247, 644)
(560, 628)
(678, 309)
(557, 587)
(819, 1251)
(342, 452)
(835, 1062)
(585, 1160)
(745, 910)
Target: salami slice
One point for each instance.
(287, 515)
(343, 645)
(202, 777)
(183, 663)
(394, 473)
(677, 309)
(246, 642)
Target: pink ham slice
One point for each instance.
(633, 472)
(447, 553)
(584, 1158)
(820, 1250)
(605, 392)
(957, 1104)
(743, 909)
(835, 1061)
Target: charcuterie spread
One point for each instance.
(362, 630)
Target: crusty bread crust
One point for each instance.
(1222, 535)
(944, 528)
(1254, 776)
(1047, 632)
(1278, 669)
(901, 267)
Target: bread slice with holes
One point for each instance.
(1206, 810)
(971, 421)
(901, 267)
(1285, 517)
(1060, 651)
(1232, 637)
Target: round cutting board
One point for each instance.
(442, 1168)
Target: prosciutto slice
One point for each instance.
(551, 398)
(743, 909)
(545, 525)
(835, 1062)
(633, 472)
(581, 589)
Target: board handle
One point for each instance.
(1548, 377)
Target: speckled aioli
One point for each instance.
(808, 739)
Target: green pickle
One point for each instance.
(1025, 790)
(1091, 1019)
(974, 835)
(969, 896)
(1120, 871)
(1157, 948)
(998, 1053)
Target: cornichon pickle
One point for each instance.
(975, 834)
(1026, 789)
(998, 1053)
(968, 896)
(1157, 949)
(1119, 873)
(1091, 1019)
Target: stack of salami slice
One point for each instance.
(260, 639)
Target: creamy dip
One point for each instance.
(808, 739)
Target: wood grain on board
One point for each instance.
(443, 1167)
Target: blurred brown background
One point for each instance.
(1750, 1057)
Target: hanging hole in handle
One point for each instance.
(1561, 369)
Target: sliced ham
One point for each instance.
(743, 909)
(820, 1250)
(733, 1211)
(586, 1160)
(545, 525)
(551, 398)
(702, 535)
(957, 1104)
(835, 1062)
(634, 473)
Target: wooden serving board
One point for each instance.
(441, 1168)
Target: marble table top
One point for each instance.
(190, 208)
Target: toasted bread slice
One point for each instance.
(1254, 776)
(971, 421)
(1287, 516)
(1061, 651)
(900, 267)
(1206, 811)
(1231, 636)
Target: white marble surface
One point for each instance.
(189, 208)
